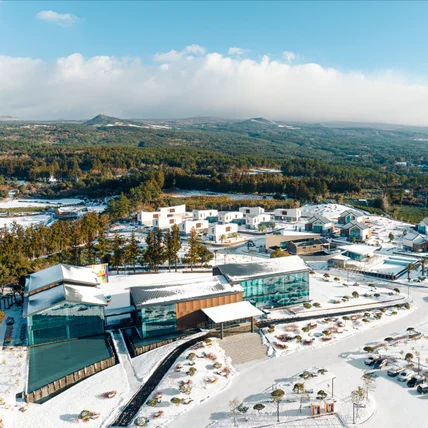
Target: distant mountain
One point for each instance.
(103, 120)
(7, 118)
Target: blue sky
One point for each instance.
(312, 61)
(347, 35)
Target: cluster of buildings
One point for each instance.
(219, 226)
(351, 225)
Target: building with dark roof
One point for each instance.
(319, 224)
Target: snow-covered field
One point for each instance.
(25, 221)
(330, 211)
(206, 382)
(178, 193)
(22, 203)
(283, 339)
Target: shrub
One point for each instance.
(152, 402)
(321, 394)
(192, 371)
(389, 339)
(191, 356)
(368, 349)
(211, 356)
(355, 294)
(311, 273)
(259, 407)
(397, 290)
(336, 279)
(176, 401)
(382, 309)
(407, 306)
(367, 314)
(277, 393)
(298, 387)
(298, 338)
(394, 313)
(242, 409)
(208, 341)
(305, 329)
(307, 305)
(326, 332)
(409, 356)
(346, 318)
(217, 365)
(346, 298)
(271, 328)
(317, 304)
(365, 320)
(326, 275)
(398, 306)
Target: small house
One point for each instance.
(422, 226)
(231, 217)
(187, 226)
(255, 221)
(351, 215)
(287, 214)
(319, 224)
(220, 232)
(356, 231)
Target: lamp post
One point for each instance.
(332, 386)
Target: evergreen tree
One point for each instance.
(197, 252)
(172, 243)
(132, 251)
(154, 254)
(118, 253)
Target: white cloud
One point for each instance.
(211, 84)
(236, 51)
(289, 56)
(173, 55)
(62, 19)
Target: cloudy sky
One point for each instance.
(304, 61)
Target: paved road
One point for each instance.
(256, 378)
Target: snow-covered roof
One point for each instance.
(60, 273)
(356, 213)
(424, 221)
(46, 299)
(340, 257)
(231, 312)
(236, 272)
(354, 223)
(320, 218)
(413, 236)
(178, 292)
(358, 249)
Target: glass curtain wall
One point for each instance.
(67, 321)
(158, 320)
(277, 291)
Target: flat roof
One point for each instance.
(236, 272)
(198, 288)
(231, 312)
(359, 249)
(60, 273)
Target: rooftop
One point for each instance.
(354, 223)
(60, 273)
(359, 249)
(321, 218)
(231, 312)
(62, 293)
(179, 292)
(356, 213)
(236, 272)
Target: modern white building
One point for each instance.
(229, 216)
(219, 232)
(146, 218)
(198, 225)
(204, 214)
(287, 214)
(251, 211)
(254, 221)
(167, 222)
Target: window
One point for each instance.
(247, 211)
(172, 221)
(228, 229)
(155, 215)
(158, 320)
(198, 225)
(172, 210)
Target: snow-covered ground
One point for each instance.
(205, 383)
(283, 339)
(178, 193)
(22, 203)
(25, 221)
(330, 211)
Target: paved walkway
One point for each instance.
(245, 347)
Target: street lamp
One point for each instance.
(332, 386)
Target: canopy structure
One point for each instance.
(232, 312)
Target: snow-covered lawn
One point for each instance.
(283, 339)
(205, 383)
(62, 410)
(330, 211)
(25, 221)
(21, 203)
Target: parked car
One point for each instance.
(10, 321)
(416, 381)
(423, 388)
(395, 371)
(405, 375)
(380, 364)
(371, 360)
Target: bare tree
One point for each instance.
(358, 396)
(369, 383)
(233, 406)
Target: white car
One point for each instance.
(405, 375)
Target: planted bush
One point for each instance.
(307, 305)
(258, 407)
(298, 338)
(176, 401)
(305, 329)
(152, 402)
(389, 339)
(278, 393)
(191, 356)
(192, 371)
(368, 349)
(242, 409)
(271, 328)
(355, 294)
(346, 298)
(317, 304)
(409, 356)
(407, 306)
(346, 318)
(321, 394)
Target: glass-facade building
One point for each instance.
(277, 291)
(157, 320)
(65, 321)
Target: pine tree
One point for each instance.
(118, 253)
(197, 252)
(172, 243)
(154, 254)
(132, 251)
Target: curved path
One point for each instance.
(253, 379)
